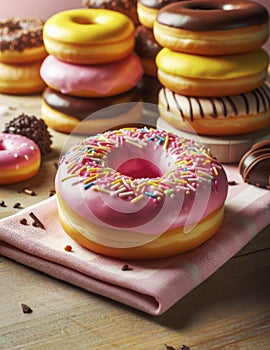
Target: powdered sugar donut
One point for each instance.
(140, 193)
(19, 158)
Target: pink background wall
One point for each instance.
(37, 8)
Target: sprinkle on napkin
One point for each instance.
(37, 222)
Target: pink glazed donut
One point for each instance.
(101, 80)
(19, 158)
(140, 193)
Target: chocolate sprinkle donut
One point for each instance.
(17, 34)
(33, 128)
(127, 7)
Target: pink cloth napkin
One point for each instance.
(152, 286)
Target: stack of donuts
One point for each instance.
(91, 65)
(212, 66)
(21, 54)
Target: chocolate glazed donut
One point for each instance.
(212, 27)
(89, 115)
(81, 108)
(210, 15)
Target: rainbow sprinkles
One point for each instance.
(164, 164)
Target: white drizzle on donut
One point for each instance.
(192, 163)
(227, 104)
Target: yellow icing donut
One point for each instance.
(89, 36)
(196, 75)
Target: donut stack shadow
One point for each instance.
(213, 78)
(91, 71)
(21, 54)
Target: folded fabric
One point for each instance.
(150, 286)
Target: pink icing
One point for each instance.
(177, 181)
(17, 152)
(101, 78)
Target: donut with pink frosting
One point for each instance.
(100, 80)
(140, 193)
(19, 158)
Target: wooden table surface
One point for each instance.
(230, 310)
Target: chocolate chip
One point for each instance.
(167, 347)
(23, 221)
(232, 183)
(17, 205)
(26, 309)
(126, 267)
(52, 193)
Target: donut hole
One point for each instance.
(82, 20)
(139, 168)
(136, 163)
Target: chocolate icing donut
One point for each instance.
(254, 166)
(82, 108)
(212, 15)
